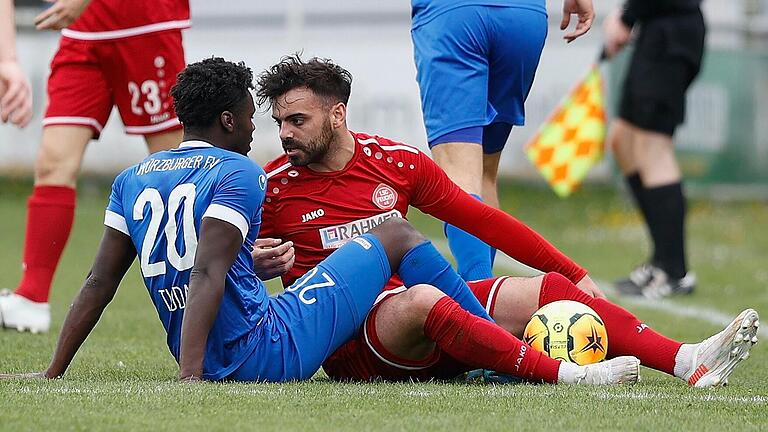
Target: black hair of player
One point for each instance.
(209, 87)
(325, 78)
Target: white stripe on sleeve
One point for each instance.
(116, 221)
(218, 211)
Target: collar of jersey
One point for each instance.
(193, 144)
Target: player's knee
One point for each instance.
(417, 301)
(555, 286)
(398, 233)
(51, 170)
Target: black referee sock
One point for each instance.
(638, 193)
(666, 206)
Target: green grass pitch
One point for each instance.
(124, 378)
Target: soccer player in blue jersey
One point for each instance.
(192, 215)
(475, 62)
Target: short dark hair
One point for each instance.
(326, 79)
(207, 88)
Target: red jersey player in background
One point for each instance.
(333, 184)
(112, 53)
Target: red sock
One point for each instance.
(482, 344)
(50, 212)
(627, 335)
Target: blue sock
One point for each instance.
(424, 265)
(474, 258)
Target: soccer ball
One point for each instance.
(569, 331)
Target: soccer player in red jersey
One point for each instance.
(332, 185)
(112, 53)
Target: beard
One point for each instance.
(302, 153)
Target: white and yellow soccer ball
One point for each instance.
(569, 331)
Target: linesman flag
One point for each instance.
(571, 140)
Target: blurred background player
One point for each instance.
(15, 91)
(667, 58)
(111, 53)
(332, 185)
(475, 65)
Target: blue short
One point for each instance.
(475, 66)
(318, 313)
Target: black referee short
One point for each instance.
(666, 59)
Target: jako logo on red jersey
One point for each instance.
(384, 197)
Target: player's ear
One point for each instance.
(338, 115)
(227, 120)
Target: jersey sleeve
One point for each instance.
(236, 199)
(443, 199)
(114, 216)
(431, 186)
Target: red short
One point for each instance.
(364, 358)
(135, 74)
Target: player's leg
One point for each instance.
(78, 107)
(623, 140)
(142, 72)
(410, 324)
(452, 73)
(327, 305)
(517, 40)
(666, 61)
(491, 172)
(164, 140)
(317, 313)
(666, 211)
(490, 191)
(714, 357)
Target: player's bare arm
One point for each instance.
(113, 259)
(272, 257)
(115, 255)
(15, 90)
(217, 249)
(61, 14)
(585, 15)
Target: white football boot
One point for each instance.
(714, 358)
(618, 370)
(22, 314)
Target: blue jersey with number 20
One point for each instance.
(160, 203)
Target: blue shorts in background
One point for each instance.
(475, 66)
(318, 313)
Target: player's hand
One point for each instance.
(272, 257)
(590, 287)
(584, 12)
(15, 94)
(190, 379)
(617, 34)
(23, 376)
(61, 14)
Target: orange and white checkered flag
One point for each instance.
(571, 140)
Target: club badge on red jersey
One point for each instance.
(384, 197)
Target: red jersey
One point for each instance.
(119, 19)
(320, 211)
